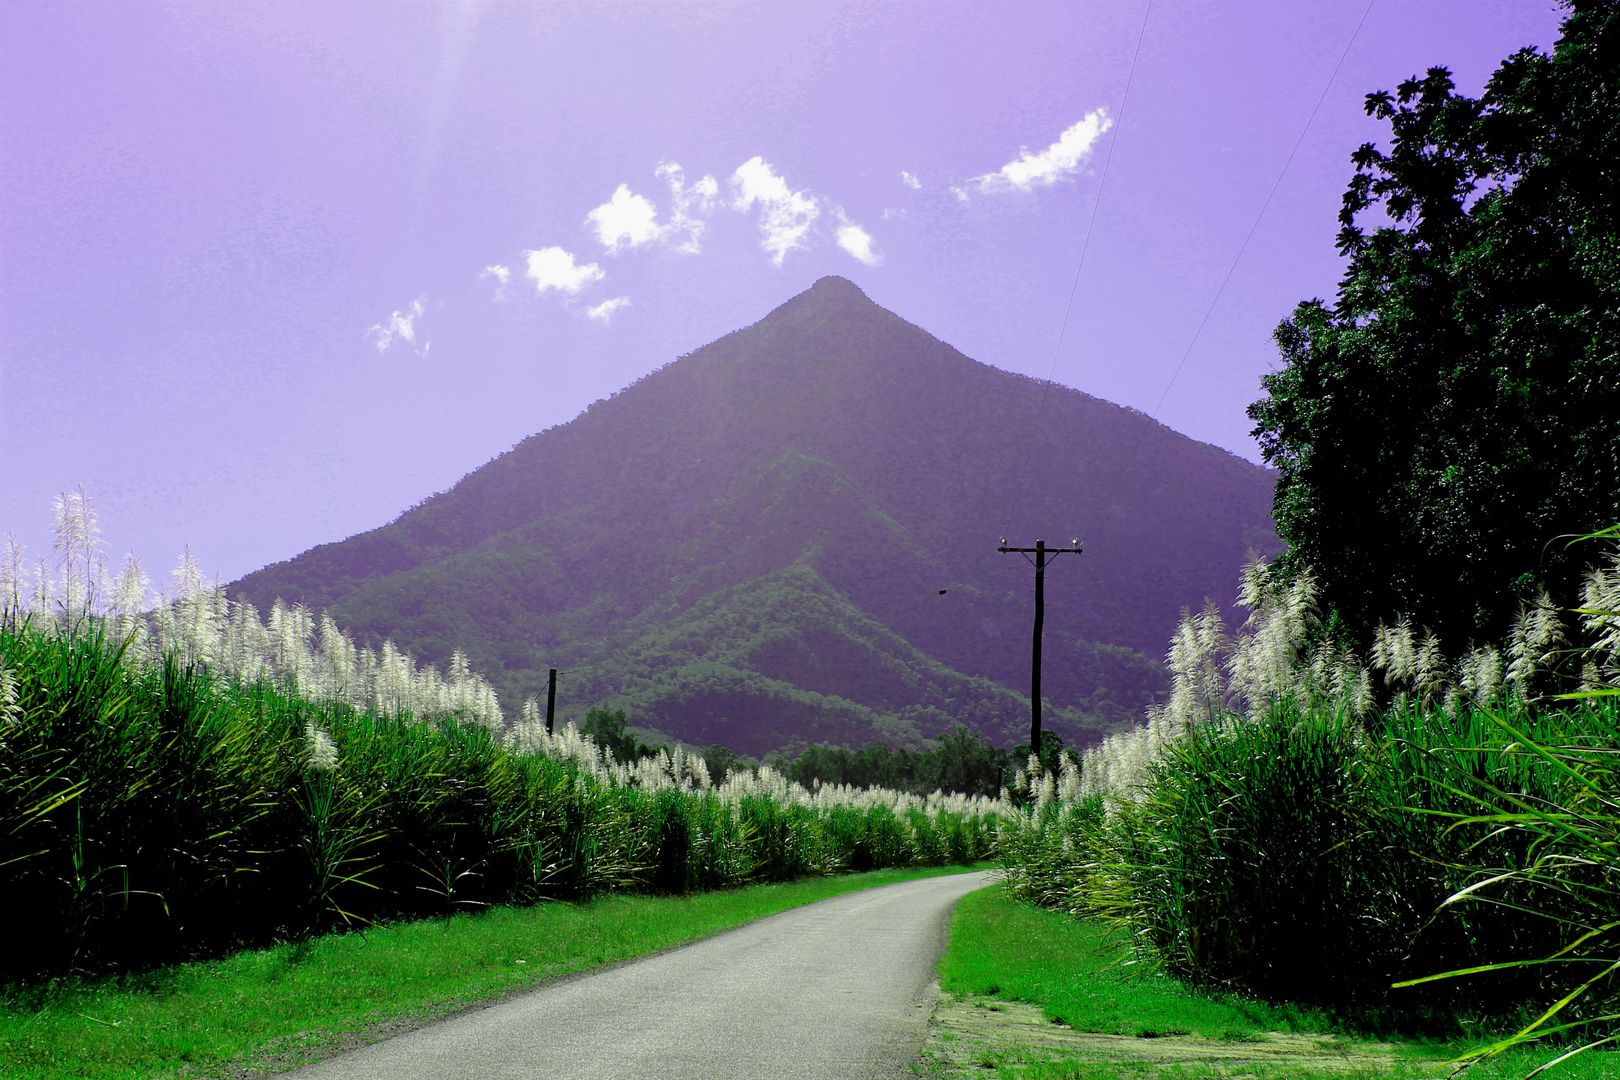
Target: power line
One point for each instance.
(1132, 459)
(1085, 246)
(1042, 553)
(1275, 184)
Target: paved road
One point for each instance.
(840, 989)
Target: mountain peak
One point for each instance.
(833, 285)
(829, 296)
(834, 436)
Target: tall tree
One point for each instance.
(1458, 406)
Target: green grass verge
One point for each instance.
(1129, 1021)
(280, 1007)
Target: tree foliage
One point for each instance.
(1458, 406)
(610, 729)
(960, 761)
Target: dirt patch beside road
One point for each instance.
(977, 1036)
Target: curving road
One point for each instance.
(841, 989)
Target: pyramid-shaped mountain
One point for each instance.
(748, 546)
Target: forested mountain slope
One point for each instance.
(748, 545)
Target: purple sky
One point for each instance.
(244, 289)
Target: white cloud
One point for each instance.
(1057, 162)
(604, 312)
(788, 219)
(625, 220)
(785, 215)
(553, 268)
(501, 275)
(631, 220)
(910, 180)
(858, 242)
(700, 197)
(707, 190)
(401, 326)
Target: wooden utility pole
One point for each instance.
(1042, 555)
(551, 699)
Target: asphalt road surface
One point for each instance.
(840, 989)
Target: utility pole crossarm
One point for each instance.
(1041, 548)
(1040, 561)
(1077, 549)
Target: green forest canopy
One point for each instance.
(1458, 406)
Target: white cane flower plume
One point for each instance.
(291, 629)
(131, 596)
(41, 599)
(255, 643)
(486, 705)
(1068, 789)
(295, 648)
(430, 693)
(336, 657)
(1335, 675)
(1267, 661)
(1264, 660)
(1320, 669)
(459, 679)
(1600, 616)
(1046, 793)
(10, 711)
(1378, 657)
(1395, 652)
(394, 679)
(1482, 675)
(1097, 768)
(1254, 586)
(320, 752)
(1431, 673)
(1197, 688)
(13, 577)
(528, 735)
(75, 528)
(309, 654)
(1537, 635)
(77, 543)
(193, 629)
(1362, 699)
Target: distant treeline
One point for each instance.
(961, 761)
